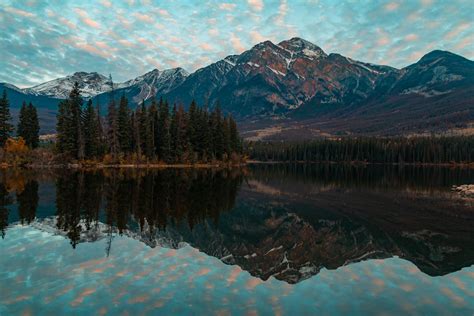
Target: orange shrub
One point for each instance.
(16, 146)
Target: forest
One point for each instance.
(400, 150)
(151, 133)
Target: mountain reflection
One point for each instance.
(284, 221)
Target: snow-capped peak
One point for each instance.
(298, 45)
(90, 83)
(93, 83)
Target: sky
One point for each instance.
(44, 40)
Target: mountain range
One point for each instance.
(294, 90)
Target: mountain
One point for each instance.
(295, 90)
(90, 84)
(151, 84)
(46, 106)
(272, 79)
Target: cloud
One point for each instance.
(19, 12)
(411, 37)
(282, 12)
(256, 5)
(213, 32)
(143, 17)
(463, 26)
(227, 6)
(84, 17)
(236, 43)
(391, 6)
(127, 38)
(206, 46)
(256, 37)
(106, 3)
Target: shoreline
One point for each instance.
(363, 163)
(125, 166)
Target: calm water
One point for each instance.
(271, 239)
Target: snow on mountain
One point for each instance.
(152, 83)
(93, 83)
(90, 84)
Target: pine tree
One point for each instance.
(22, 127)
(68, 125)
(75, 100)
(164, 138)
(112, 124)
(5, 126)
(28, 126)
(136, 141)
(153, 122)
(216, 125)
(124, 129)
(235, 143)
(226, 143)
(34, 128)
(91, 131)
(61, 127)
(193, 136)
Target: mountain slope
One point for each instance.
(147, 86)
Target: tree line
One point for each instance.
(422, 150)
(151, 132)
(28, 125)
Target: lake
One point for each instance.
(267, 239)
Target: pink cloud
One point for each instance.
(143, 17)
(213, 32)
(93, 50)
(411, 37)
(256, 5)
(457, 30)
(106, 3)
(91, 23)
(206, 46)
(391, 6)
(84, 17)
(227, 6)
(256, 37)
(236, 43)
(19, 12)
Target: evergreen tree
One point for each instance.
(75, 101)
(217, 131)
(153, 122)
(68, 125)
(235, 143)
(91, 131)
(112, 125)
(164, 138)
(22, 127)
(192, 135)
(124, 128)
(28, 126)
(33, 139)
(226, 138)
(5, 126)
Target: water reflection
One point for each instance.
(284, 221)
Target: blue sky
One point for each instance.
(43, 40)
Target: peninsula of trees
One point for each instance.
(148, 134)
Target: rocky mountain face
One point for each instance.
(294, 89)
(279, 78)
